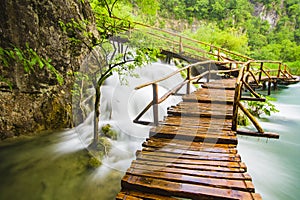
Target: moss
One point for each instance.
(94, 162)
(107, 131)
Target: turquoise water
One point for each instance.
(275, 164)
(53, 166)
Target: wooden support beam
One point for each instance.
(155, 103)
(257, 134)
(251, 117)
(253, 99)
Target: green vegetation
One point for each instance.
(28, 58)
(280, 42)
(232, 24)
(257, 108)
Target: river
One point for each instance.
(54, 165)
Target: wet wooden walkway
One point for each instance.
(192, 154)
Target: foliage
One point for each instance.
(257, 108)
(257, 37)
(110, 48)
(28, 58)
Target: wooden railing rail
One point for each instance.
(187, 45)
(189, 79)
(241, 83)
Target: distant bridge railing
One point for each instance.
(181, 46)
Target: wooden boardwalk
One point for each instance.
(192, 154)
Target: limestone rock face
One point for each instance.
(36, 101)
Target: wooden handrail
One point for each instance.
(174, 90)
(181, 37)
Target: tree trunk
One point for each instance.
(96, 115)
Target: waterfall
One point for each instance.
(120, 104)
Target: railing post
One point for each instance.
(248, 69)
(279, 70)
(208, 75)
(260, 71)
(219, 54)
(180, 45)
(188, 77)
(237, 97)
(155, 103)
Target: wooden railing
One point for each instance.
(187, 81)
(265, 71)
(184, 46)
(246, 75)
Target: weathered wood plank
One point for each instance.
(190, 155)
(215, 96)
(172, 147)
(226, 84)
(187, 121)
(199, 113)
(213, 131)
(168, 188)
(193, 136)
(201, 166)
(213, 182)
(193, 172)
(135, 195)
(208, 162)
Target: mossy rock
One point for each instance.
(94, 162)
(107, 131)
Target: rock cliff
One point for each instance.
(36, 101)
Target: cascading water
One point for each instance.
(120, 104)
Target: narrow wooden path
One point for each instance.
(192, 154)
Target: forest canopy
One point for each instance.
(260, 29)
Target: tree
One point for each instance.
(110, 50)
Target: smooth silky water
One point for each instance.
(54, 165)
(274, 164)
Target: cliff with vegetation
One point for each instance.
(35, 85)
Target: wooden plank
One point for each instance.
(257, 134)
(193, 172)
(206, 162)
(200, 113)
(188, 145)
(196, 137)
(226, 84)
(168, 188)
(190, 155)
(219, 166)
(191, 106)
(216, 96)
(187, 121)
(135, 195)
(185, 149)
(193, 130)
(213, 182)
